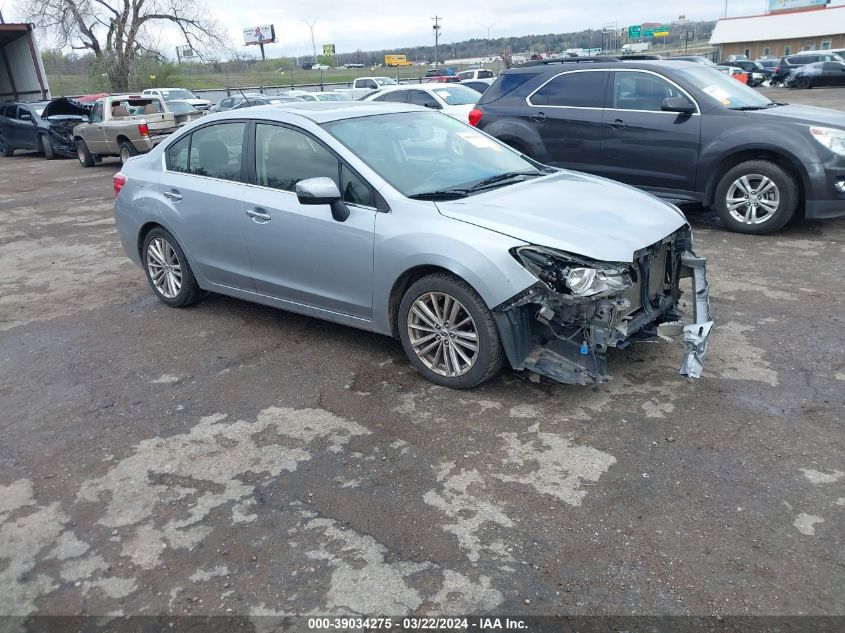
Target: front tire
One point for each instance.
(168, 271)
(448, 332)
(47, 147)
(756, 197)
(83, 154)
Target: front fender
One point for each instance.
(478, 256)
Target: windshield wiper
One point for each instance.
(500, 178)
(445, 194)
(771, 104)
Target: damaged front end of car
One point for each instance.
(562, 326)
(62, 115)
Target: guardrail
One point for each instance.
(216, 94)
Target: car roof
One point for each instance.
(556, 66)
(427, 87)
(322, 111)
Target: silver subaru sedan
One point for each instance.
(403, 221)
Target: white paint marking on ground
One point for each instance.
(202, 575)
(561, 467)
(731, 356)
(167, 379)
(805, 523)
(462, 500)
(817, 477)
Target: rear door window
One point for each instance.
(395, 96)
(177, 154)
(573, 90)
(216, 151)
(422, 98)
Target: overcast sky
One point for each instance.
(376, 24)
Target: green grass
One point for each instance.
(81, 84)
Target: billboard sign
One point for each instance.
(186, 51)
(260, 34)
(786, 5)
(328, 49)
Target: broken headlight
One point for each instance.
(568, 275)
(831, 138)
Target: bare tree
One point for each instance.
(117, 32)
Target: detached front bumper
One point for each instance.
(567, 340)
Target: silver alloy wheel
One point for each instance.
(442, 334)
(124, 155)
(164, 267)
(80, 154)
(753, 199)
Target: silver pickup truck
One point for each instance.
(122, 125)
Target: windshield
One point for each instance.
(723, 89)
(330, 97)
(171, 95)
(426, 152)
(180, 107)
(384, 81)
(457, 95)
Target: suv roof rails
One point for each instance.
(570, 60)
(639, 57)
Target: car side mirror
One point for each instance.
(313, 191)
(433, 105)
(26, 117)
(681, 105)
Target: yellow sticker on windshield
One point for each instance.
(480, 141)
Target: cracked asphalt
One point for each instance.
(235, 459)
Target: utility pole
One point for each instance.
(313, 44)
(436, 28)
(489, 27)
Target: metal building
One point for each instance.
(22, 75)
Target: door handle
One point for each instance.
(618, 124)
(539, 117)
(258, 215)
(175, 196)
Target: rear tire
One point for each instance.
(168, 271)
(6, 150)
(127, 151)
(47, 147)
(82, 153)
(803, 82)
(756, 197)
(470, 351)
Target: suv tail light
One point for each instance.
(475, 116)
(119, 181)
(143, 129)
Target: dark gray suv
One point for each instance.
(683, 131)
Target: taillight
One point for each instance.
(119, 181)
(143, 129)
(475, 116)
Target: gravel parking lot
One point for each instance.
(235, 459)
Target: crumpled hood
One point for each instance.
(572, 212)
(66, 107)
(808, 115)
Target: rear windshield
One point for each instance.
(133, 107)
(505, 84)
(457, 95)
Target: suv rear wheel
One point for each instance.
(756, 197)
(6, 150)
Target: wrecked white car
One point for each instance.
(406, 222)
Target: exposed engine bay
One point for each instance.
(562, 326)
(63, 114)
